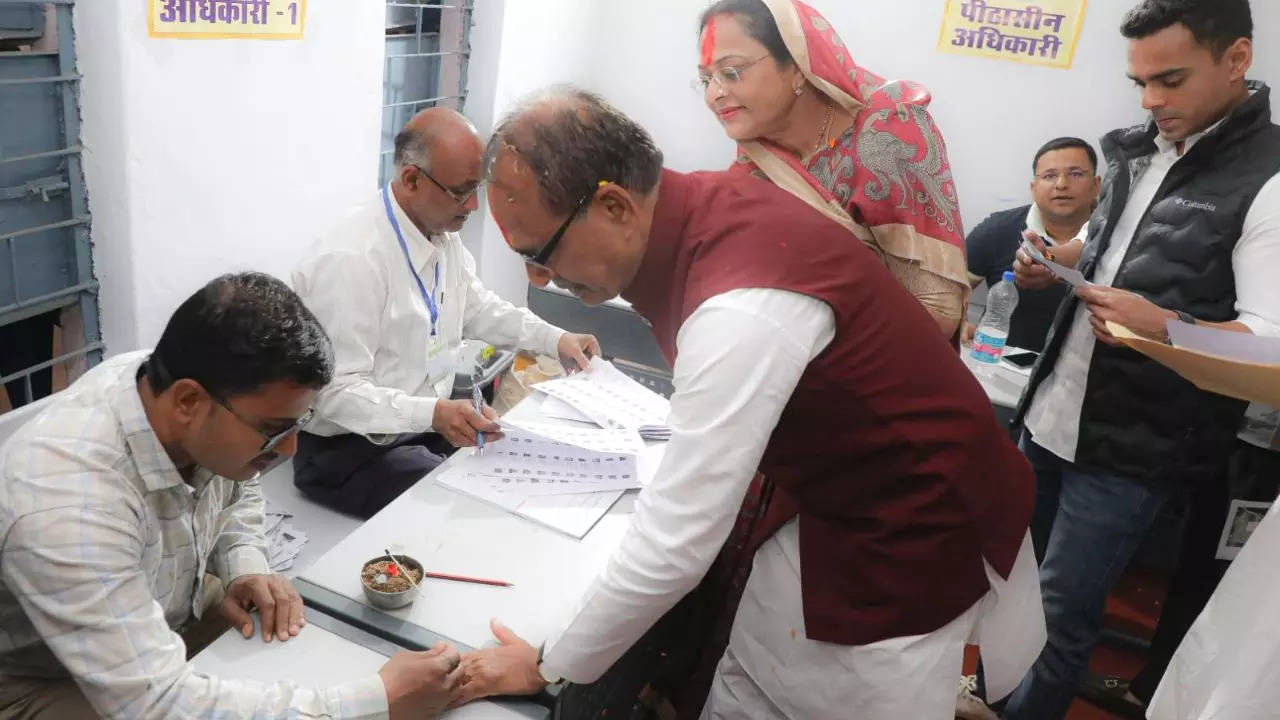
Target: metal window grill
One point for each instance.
(46, 264)
(427, 48)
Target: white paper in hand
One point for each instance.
(610, 398)
(1238, 346)
(1070, 276)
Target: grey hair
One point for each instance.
(411, 149)
(573, 140)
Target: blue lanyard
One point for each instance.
(427, 297)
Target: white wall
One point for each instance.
(211, 156)
(993, 114)
(519, 46)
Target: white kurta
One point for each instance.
(740, 356)
(357, 282)
(770, 670)
(1228, 665)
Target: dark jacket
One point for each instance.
(990, 248)
(1140, 419)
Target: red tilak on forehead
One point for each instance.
(709, 43)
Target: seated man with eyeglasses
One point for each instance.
(1064, 191)
(397, 291)
(131, 516)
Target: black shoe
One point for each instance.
(1112, 694)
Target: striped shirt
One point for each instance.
(103, 552)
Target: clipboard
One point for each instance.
(1255, 382)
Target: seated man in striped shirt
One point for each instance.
(137, 481)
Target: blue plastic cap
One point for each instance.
(1008, 276)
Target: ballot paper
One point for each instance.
(572, 514)
(615, 440)
(565, 478)
(553, 407)
(612, 400)
(1071, 276)
(572, 460)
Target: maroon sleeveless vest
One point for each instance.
(888, 450)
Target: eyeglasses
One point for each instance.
(272, 439)
(462, 198)
(543, 256)
(724, 77)
(1052, 177)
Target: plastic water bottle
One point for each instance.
(988, 341)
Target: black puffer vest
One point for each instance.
(1141, 420)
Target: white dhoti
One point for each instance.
(1228, 665)
(771, 670)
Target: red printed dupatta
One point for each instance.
(893, 186)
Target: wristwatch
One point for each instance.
(547, 676)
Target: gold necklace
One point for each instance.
(826, 129)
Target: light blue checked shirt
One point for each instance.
(103, 551)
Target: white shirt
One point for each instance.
(1035, 222)
(104, 553)
(357, 282)
(740, 356)
(1225, 668)
(1054, 415)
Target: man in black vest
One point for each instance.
(1064, 189)
(1187, 228)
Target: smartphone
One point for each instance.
(1021, 360)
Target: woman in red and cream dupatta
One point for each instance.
(865, 153)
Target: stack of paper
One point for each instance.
(606, 396)
(284, 542)
(555, 461)
(564, 477)
(1239, 365)
(1239, 346)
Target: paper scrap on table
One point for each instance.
(284, 541)
(1239, 346)
(1071, 276)
(284, 547)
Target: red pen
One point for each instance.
(464, 578)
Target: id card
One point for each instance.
(440, 361)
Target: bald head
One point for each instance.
(433, 131)
(573, 186)
(438, 162)
(573, 140)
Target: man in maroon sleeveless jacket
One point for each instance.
(898, 522)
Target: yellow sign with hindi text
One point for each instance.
(222, 19)
(1041, 32)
